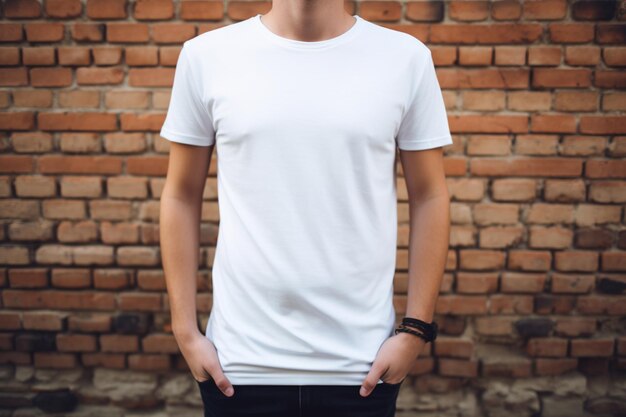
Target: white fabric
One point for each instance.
(306, 136)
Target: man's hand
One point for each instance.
(201, 357)
(394, 360)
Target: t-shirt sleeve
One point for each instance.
(425, 122)
(188, 119)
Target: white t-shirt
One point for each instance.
(306, 136)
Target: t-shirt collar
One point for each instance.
(314, 45)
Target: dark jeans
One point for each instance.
(299, 400)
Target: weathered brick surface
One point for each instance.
(533, 296)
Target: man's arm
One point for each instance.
(180, 210)
(429, 207)
(179, 225)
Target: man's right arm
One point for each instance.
(179, 225)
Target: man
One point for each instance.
(306, 107)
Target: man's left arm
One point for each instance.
(429, 205)
(429, 211)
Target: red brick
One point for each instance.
(381, 11)
(585, 261)
(500, 236)
(571, 190)
(545, 55)
(53, 164)
(201, 10)
(453, 347)
(160, 343)
(597, 168)
(558, 78)
(573, 284)
(55, 299)
(609, 79)
(119, 343)
(44, 320)
(502, 33)
(614, 56)
(598, 304)
(112, 279)
(502, 366)
(582, 55)
(461, 304)
(613, 261)
(78, 121)
(548, 123)
(592, 347)
(575, 326)
(571, 32)
(474, 259)
(44, 32)
(420, 11)
(122, 32)
(552, 304)
(64, 209)
(7, 342)
(607, 192)
(511, 304)
(468, 10)
(544, 9)
(140, 301)
(15, 358)
(154, 9)
(592, 10)
(106, 9)
(494, 326)
(155, 281)
(147, 165)
(76, 342)
(55, 360)
(103, 360)
(89, 322)
(15, 121)
(22, 9)
(10, 32)
(10, 320)
(554, 347)
(100, 76)
(546, 366)
(529, 260)
(28, 278)
(63, 9)
(458, 367)
(119, 233)
(79, 231)
(513, 282)
(552, 237)
(506, 10)
(476, 283)
(527, 166)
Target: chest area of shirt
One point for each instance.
(282, 100)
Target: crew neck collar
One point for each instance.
(306, 45)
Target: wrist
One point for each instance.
(183, 334)
(426, 331)
(412, 341)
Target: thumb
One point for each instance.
(223, 383)
(371, 380)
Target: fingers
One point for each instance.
(371, 380)
(223, 383)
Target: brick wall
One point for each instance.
(532, 304)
